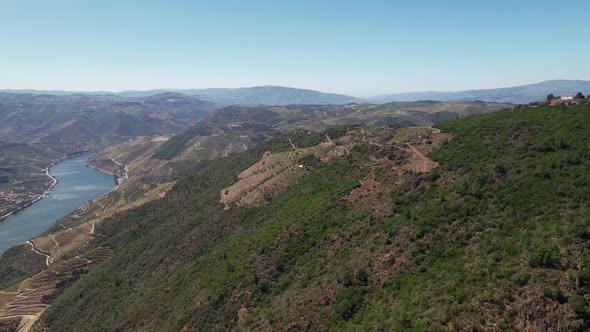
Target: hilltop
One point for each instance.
(477, 223)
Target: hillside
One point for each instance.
(236, 128)
(38, 130)
(73, 232)
(479, 223)
(317, 118)
(518, 95)
(77, 122)
(258, 95)
(22, 173)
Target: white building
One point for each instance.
(567, 96)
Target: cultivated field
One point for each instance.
(23, 303)
(69, 241)
(277, 171)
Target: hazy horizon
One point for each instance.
(275, 85)
(367, 49)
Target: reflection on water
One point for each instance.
(77, 185)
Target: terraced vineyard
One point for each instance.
(73, 233)
(275, 172)
(132, 159)
(254, 189)
(69, 240)
(24, 302)
(285, 164)
(65, 242)
(236, 129)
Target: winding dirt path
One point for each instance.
(39, 253)
(29, 303)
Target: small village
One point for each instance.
(14, 200)
(21, 194)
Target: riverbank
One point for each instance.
(74, 184)
(119, 178)
(47, 191)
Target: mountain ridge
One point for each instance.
(233, 129)
(380, 228)
(94, 121)
(282, 95)
(257, 95)
(521, 94)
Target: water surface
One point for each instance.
(77, 185)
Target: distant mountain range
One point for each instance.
(278, 95)
(517, 95)
(253, 96)
(79, 122)
(259, 95)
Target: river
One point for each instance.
(77, 185)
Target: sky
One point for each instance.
(360, 48)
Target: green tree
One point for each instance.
(550, 97)
(579, 95)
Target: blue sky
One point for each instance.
(353, 47)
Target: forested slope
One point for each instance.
(494, 237)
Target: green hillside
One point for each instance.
(495, 237)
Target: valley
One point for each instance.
(40, 130)
(74, 123)
(312, 216)
(75, 184)
(268, 166)
(317, 229)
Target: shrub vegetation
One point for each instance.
(501, 224)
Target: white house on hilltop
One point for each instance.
(567, 96)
